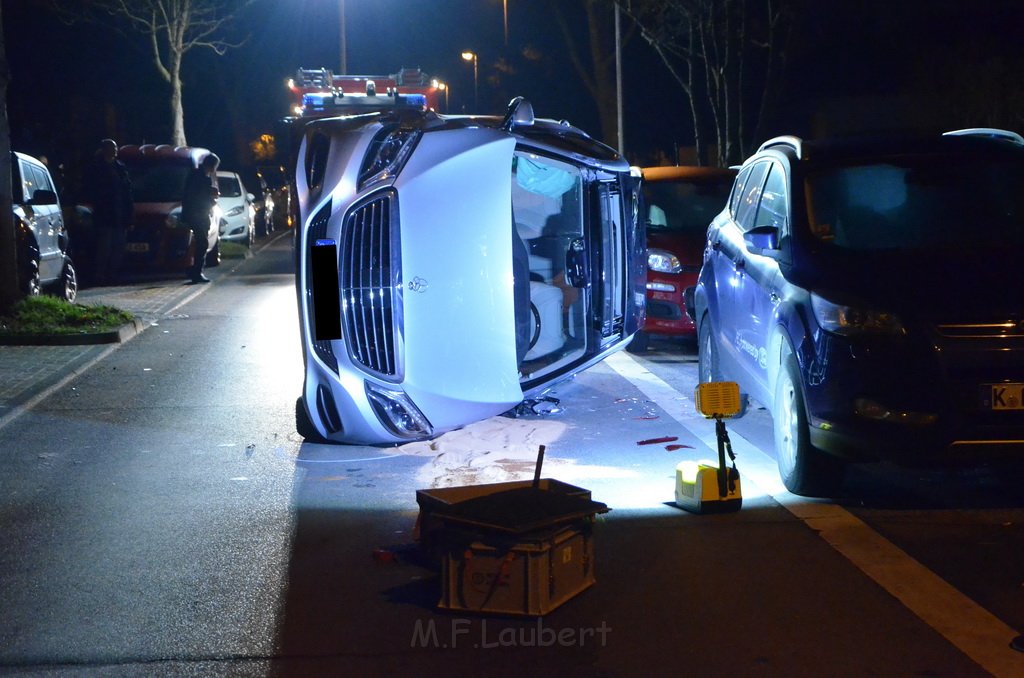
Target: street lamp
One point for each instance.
(343, 48)
(471, 56)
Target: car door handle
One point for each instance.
(740, 264)
(716, 245)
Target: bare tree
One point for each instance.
(172, 28)
(9, 292)
(727, 56)
(596, 67)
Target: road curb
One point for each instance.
(117, 336)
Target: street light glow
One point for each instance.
(471, 56)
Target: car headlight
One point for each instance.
(397, 413)
(234, 211)
(662, 261)
(850, 320)
(387, 154)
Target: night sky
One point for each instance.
(851, 65)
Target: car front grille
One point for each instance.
(371, 284)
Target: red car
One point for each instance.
(680, 203)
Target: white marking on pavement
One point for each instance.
(971, 628)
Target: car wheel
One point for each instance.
(213, 256)
(69, 283)
(304, 426)
(32, 285)
(707, 355)
(805, 470)
(640, 342)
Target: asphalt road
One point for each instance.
(160, 516)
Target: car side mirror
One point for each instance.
(44, 196)
(762, 240)
(250, 197)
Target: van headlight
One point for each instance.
(852, 320)
(387, 154)
(397, 413)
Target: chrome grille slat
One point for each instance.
(369, 285)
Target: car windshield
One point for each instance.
(687, 206)
(229, 187)
(920, 203)
(158, 183)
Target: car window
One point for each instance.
(751, 195)
(229, 186)
(158, 183)
(920, 202)
(685, 205)
(773, 209)
(737, 191)
(40, 180)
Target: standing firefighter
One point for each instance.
(201, 194)
(110, 190)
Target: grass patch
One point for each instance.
(232, 250)
(50, 315)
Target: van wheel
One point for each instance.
(804, 469)
(68, 283)
(707, 355)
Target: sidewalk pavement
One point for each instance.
(30, 373)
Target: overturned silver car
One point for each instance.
(451, 266)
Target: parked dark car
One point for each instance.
(41, 238)
(869, 293)
(680, 202)
(280, 189)
(158, 238)
(451, 266)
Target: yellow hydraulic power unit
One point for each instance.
(703, 487)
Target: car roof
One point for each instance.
(159, 154)
(840, 149)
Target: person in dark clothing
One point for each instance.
(201, 194)
(110, 191)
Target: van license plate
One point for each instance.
(137, 247)
(1007, 396)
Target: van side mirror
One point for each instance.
(43, 196)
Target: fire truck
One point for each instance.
(318, 92)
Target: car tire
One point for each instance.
(213, 256)
(304, 426)
(32, 285)
(804, 469)
(707, 354)
(68, 283)
(640, 342)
